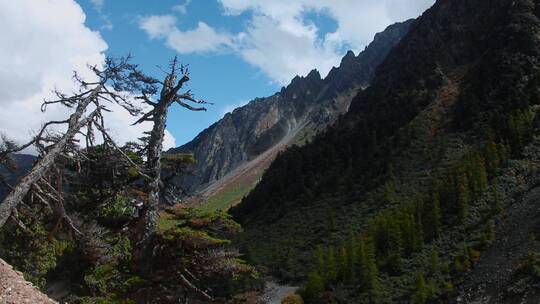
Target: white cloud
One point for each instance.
(280, 33)
(43, 42)
(357, 21)
(201, 39)
(158, 26)
(280, 41)
(285, 50)
(182, 8)
(169, 141)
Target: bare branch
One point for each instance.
(189, 107)
(146, 117)
(126, 157)
(194, 288)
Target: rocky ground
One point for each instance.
(14, 289)
(494, 279)
(274, 293)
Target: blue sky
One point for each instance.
(237, 50)
(222, 78)
(221, 75)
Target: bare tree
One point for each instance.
(170, 93)
(113, 80)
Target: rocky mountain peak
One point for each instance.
(314, 75)
(348, 58)
(299, 111)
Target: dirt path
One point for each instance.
(14, 289)
(274, 292)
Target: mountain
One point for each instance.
(240, 146)
(23, 163)
(426, 190)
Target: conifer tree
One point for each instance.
(434, 262)
(331, 268)
(351, 258)
(389, 193)
(314, 287)
(343, 263)
(411, 232)
(421, 294)
(331, 219)
(492, 156)
(362, 264)
(480, 174)
(372, 283)
(488, 234)
(431, 217)
(463, 197)
(319, 261)
(497, 198)
(466, 261)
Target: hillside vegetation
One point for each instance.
(403, 197)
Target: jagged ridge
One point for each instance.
(294, 114)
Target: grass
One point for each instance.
(166, 221)
(227, 197)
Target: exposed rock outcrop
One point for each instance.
(14, 289)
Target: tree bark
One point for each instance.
(44, 164)
(150, 212)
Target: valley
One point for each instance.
(410, 173)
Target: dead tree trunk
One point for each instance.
(75, 123)
(117, 77)
(170, 94)
(149, 216)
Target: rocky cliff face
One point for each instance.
(293, 115)
(14, 289)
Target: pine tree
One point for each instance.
(434, 263)
(343, 263)
(488, 234)
(331, 219)
(421, 293)
(479, 175)
(331, 268)
(431, 217)
(362, 264)
(395, 242)
(497, 198)
(466, 261)
(492, 156)
(351, 258)
(463, 197)
(314, 287)
(411, 233)
(372, 283)
(389, 192)
(319, 261)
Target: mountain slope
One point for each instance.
(445, 123)
(251, 136)
(23, 163)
